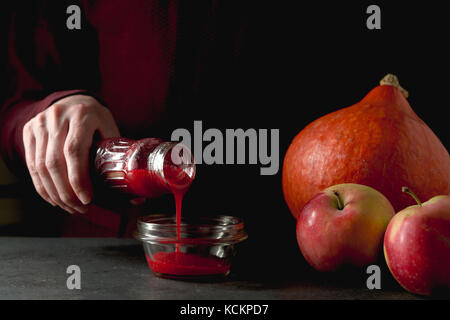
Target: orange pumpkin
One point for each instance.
(379, 142)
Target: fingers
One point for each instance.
(30, 151)
(40, 161)
(76, 152)
(57, 167)
(78, 143)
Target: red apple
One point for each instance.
(343, 225)
(417, 245)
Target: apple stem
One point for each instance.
(412, 194)
(339, 201)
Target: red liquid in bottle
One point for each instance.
(143, 168)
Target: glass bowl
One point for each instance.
(197, 248)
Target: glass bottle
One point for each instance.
(148, 167)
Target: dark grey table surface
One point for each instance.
(36, 268)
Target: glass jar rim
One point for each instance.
(192, 230)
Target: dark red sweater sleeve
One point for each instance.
(38, 73)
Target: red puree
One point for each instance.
(186, 264)
(178, 263)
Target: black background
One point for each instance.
(300, 63)
(297, 63)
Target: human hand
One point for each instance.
(57, 143)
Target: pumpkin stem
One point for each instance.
(392, 80)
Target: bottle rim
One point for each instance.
(157, 158)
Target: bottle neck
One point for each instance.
(173, 163)
(156, 160)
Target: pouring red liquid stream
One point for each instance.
(180, 263)
(127, 165)
(174, 175)
(142, 182)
